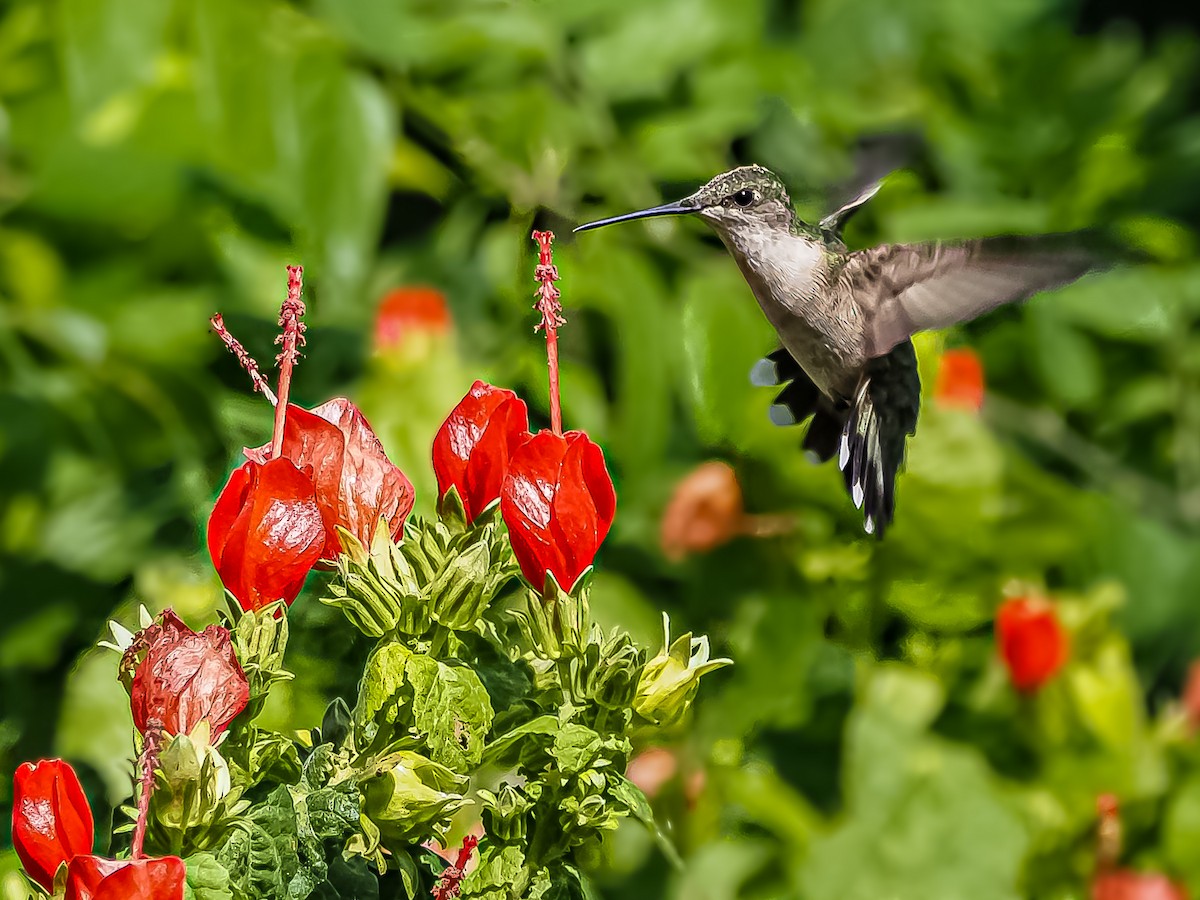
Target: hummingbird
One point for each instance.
(845, 318)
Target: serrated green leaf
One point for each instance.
(207, 879)
(451, 709)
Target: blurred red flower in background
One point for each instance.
(266, 532)
(51, 819)
(472, 449)
(959, 380)
(182, 677)
(558, 502)
(95, 878)
(409, 313)
(1124, 884)
(705, 511)
(1032, 642)
(354, 482)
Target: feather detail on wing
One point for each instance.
(906, 288)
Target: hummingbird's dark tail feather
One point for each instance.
(867, 435)
(877, 425)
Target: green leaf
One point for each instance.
(207, 879)
(451, 709)
(625, 791)
(499, 751)
(385, 695)
(575, 747)
(925, 819)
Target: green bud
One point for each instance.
(458, 592)
(669, 681)
(409, 796)
(195, 779)
(505, 814)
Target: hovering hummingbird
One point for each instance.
(845, 318)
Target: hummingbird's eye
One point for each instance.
(744, 197)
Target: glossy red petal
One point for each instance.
(473, 446)
(93, 878)
(51, 819)
(372, 486)
(225, 512)
(558, 502)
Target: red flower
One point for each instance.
(704, 512)
(185, 677)
(960, 380)
(1032, 642)
(1125, 884)
(265, 532)
(407, 313)
(472, 448)
(95, 878)
(51, 819)
(355, 483)
(558, 502)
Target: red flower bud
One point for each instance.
(558, 502)
(185, 677)
(95, 878)
(472, 448)
(1125, 884)
(960, 380)
(407, 314)
(355, 483)
(265, 532)
(1032, 642)
(51, 819)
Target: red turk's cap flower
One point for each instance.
(472, 448)
(1125, 884)
(1032, 642)
(95, 878)
(185, 677)
(265, 532)
(960, 380)
(410, 312)
(51, 819)
(558, 502)
(355, 483)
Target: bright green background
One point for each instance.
(163, 159)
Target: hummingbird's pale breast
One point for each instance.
(792, 277)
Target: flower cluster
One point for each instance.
(531, 688)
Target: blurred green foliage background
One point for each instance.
(164, 159)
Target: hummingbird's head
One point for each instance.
(748, 197)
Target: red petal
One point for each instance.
(558, 502)
(94, 878)
(51, 821)
(188, 678)
(225, 511)
(372, 486)
(472, 448)
(1031, 641)
(409, 310)
(960, 380)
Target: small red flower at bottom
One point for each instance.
(1125, 884)
(184, 677)
(558, 502)
(960, 380)
(265, 532)
(51, 819)
(96, 878)
(449, 885)
(1033, 643)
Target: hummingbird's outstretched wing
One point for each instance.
(831, 226)
(906, 288)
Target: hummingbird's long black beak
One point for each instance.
(678, 208)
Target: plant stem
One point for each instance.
(147, 763)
